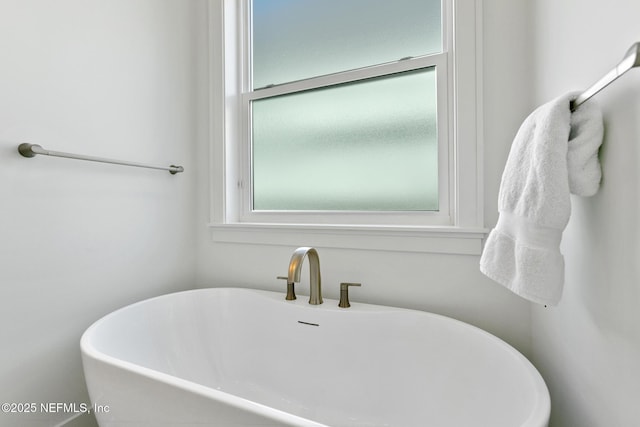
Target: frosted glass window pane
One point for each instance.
(298, 39)
(365, 146)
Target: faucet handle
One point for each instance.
(291, 293)
(344, 294)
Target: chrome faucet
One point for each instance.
(295, 267)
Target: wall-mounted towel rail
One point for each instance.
(30, 150)
(631, 59)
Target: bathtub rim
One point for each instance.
(87, 350)
(539, 415)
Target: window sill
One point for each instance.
(444, 240)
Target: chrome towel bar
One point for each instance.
(30, 150)
(631, 59)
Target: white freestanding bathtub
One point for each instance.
(239, 357)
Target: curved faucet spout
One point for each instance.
(295, 267)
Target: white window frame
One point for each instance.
(456, 228)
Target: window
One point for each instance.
(341, 104)
(345, 113)
(369, 145)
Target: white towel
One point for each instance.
(555, 152)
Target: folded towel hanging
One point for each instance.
(554, 153)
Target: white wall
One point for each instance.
(588, 347)
(118, 79)
(446, 284)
